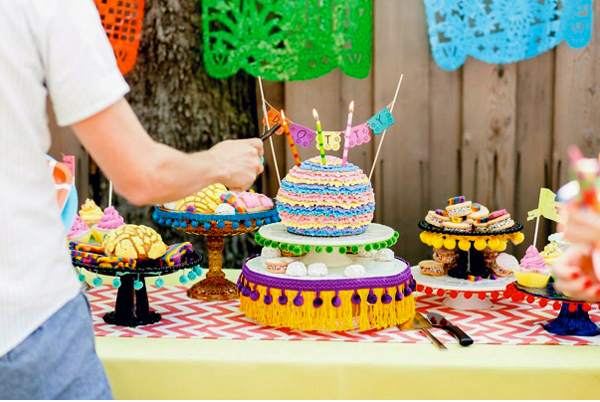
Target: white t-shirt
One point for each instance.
(55, 47)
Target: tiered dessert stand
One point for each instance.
(573, 318)
(132, 308)
(381, 298)
(215, 227)
(461, 292)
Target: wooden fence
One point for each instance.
(494, 133)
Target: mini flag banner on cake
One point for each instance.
(504, 31)
(122, 21)
(359, 135)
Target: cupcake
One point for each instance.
(505, 265)
(458, 207)
(551, 253)
(532, 271)
(110, 221)
(432, 268)
(79, 231)
(90, 213)
(278, 265)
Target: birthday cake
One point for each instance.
(326, 200)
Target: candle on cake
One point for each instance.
(320, 137)
(347, 135)
(288, 135)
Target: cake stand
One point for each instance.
(573, 318)
(462, 294)
(132, 308)
(215, 228)
(381, 299)
(332, 251)
(471, 246)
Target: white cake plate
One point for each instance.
(461, 286)
(374, 234)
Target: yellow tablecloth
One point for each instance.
(228, 369)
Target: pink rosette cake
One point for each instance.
(110, 221)
(326, 200)
(533, 271)
(79, 231)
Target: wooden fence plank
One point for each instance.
(488, 148)
(401, 46)
(576, 101)
(445, 95)
(533, 140)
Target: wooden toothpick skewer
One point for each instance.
(384, 131)
(266, 117)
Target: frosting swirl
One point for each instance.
(90, 212)
(532, 261)
(110, 220)
(78, 228)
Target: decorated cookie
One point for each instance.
(461, 227)
(90, 213)
(480, 227)
(384, 255)
(231, 200)
(478, 211)
(278, 265)
(176, 252)
(431, 268)
(437, 218)
(297, 269)
(317, 269)
(204, 201)
(253, 202)
(499, 220)
(505, 264)
(355, 271)
(134, 242)
(458, 207)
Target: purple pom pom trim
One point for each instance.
(298, 300)
(386, 299)
(283, 299)
(399, 296)
(246, 291)
(407, 291)
(336, 301)
(268, 299)
(254, 295)
(318, 302)
(356, 298)
(371, 298)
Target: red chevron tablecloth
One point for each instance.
(506, 323)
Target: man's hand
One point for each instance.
(241, 160)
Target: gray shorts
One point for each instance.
(57, 361)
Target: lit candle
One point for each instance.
(320, 137)
(348, 131)
(286, 130)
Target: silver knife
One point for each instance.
(421, 323)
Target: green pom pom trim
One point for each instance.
(376, 246)
(354, 249)
(274, 244)
(389, 243)
(396, 235)
(342, 250)
(382, 245)
(329, 249)
(319, 249)
(306, 249)
(268, 243)
(297, 250)
(284, 246)
(368, 247)
(260, 241)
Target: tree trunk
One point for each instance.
(181, 106)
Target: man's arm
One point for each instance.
(147, 172)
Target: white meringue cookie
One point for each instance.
(296, 269)
(268, 252)
(385, 255)
(355, 271)
(317, 269)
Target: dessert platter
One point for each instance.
(102, 243)
(216, 212)
(326, 266)
(468, 243)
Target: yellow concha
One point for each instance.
(134, 242)
(205, 201)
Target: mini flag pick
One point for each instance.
(360, 135)
(546, 207)
(303, 136)
(274, 118)
(382, 120)
(331, 140)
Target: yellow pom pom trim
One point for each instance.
(438, 241)
(517, 238)
(493, 243)
(464, 245)
(502, 246)
(450, 243)
(480, 244)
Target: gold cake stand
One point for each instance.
(215, 227)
